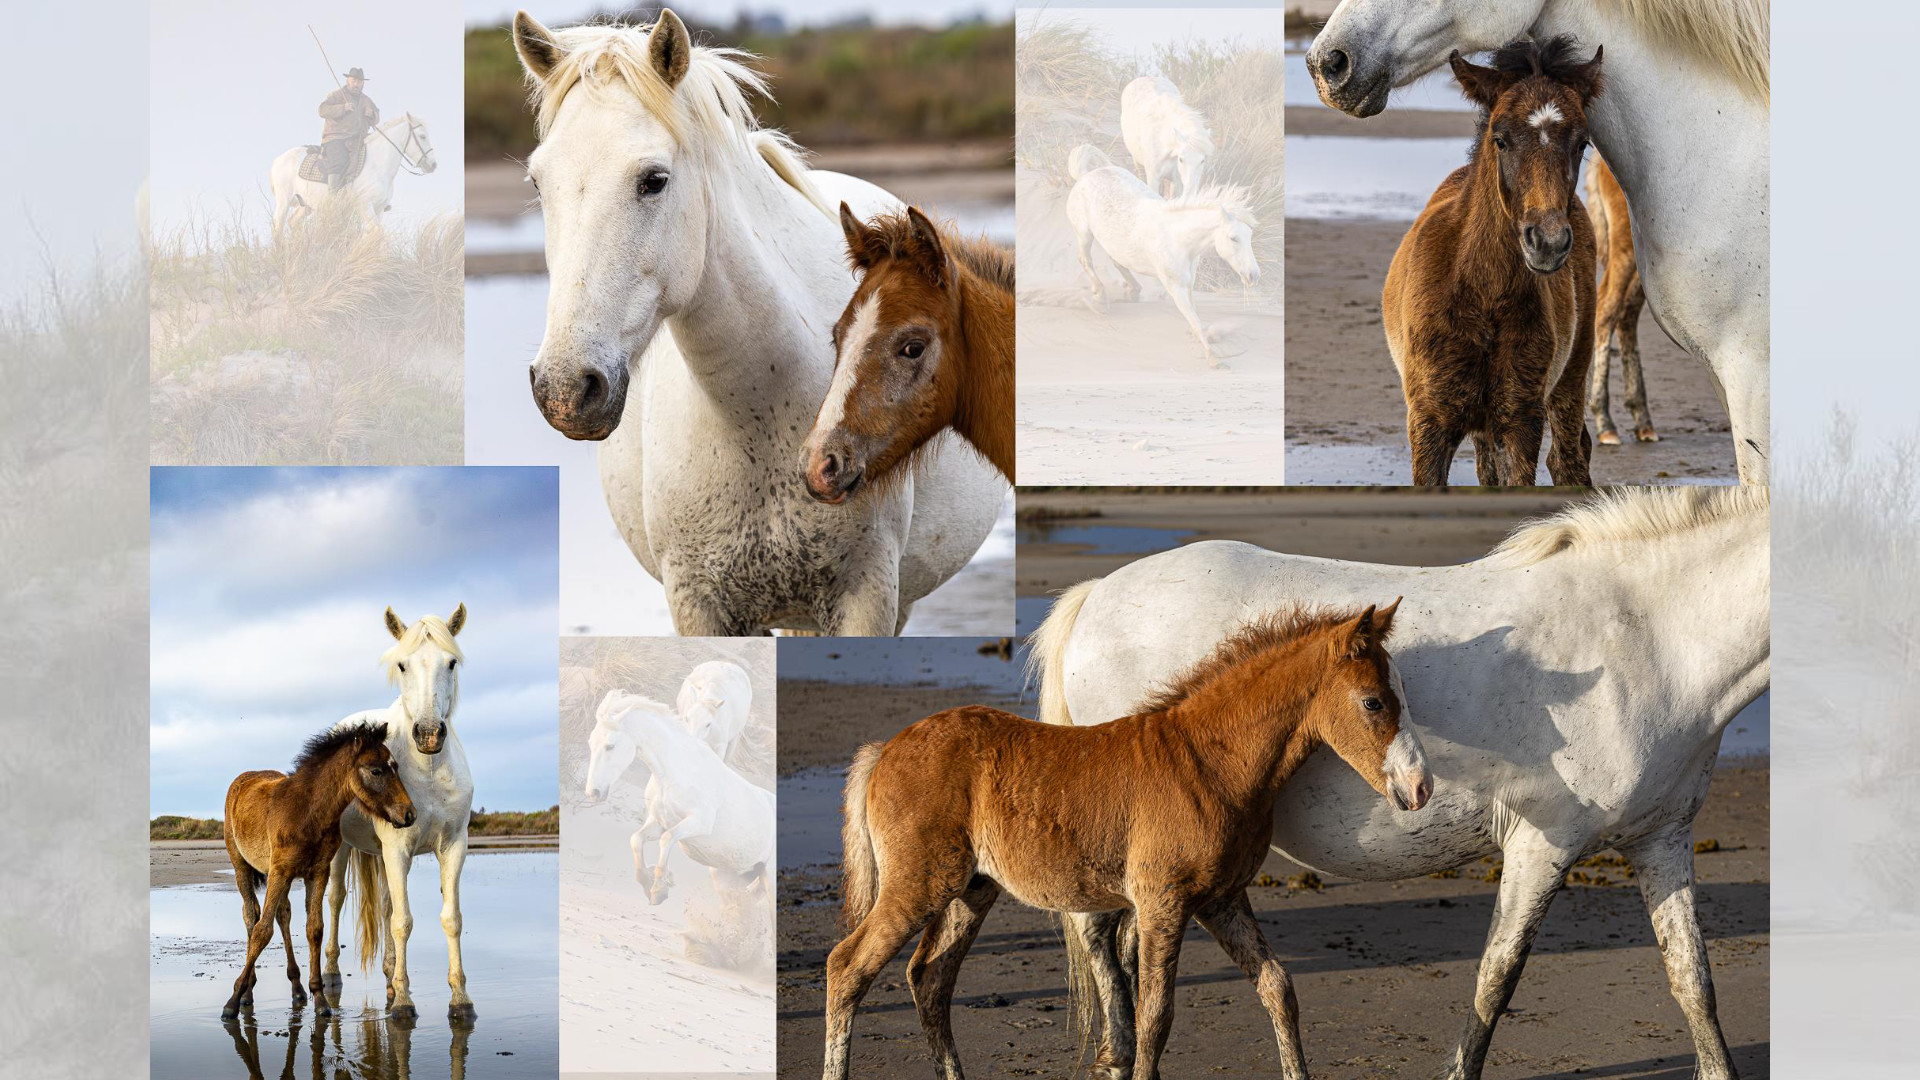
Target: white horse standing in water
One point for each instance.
(401, 139)
(424, 663)
(1143, 233)
(1572, 688)
(1684, 123)
(693, 255)
(1167, 137)
(694, 799)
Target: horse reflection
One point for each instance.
(384, 1049)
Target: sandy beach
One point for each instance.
(205, 862)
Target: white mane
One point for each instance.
(1732, 35)
(706, 112)
(1627, 515)
(427, 628)
(1232, 199)
(618, 703)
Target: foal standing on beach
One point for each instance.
(971, 801)
(281, 827)
(1488, 306)
(925, 344)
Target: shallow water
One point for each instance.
(1335, 176)
(1104, 539)
(952, 662)
(509, 906)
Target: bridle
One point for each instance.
(413, 136)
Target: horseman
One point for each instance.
(349, 113)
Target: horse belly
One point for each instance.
(1057, 882)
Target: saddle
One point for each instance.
(313, 167)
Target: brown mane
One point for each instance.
(1269, 631)
(891, 237)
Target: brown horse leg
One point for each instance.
(1663, 864)
(1518, 438)
(317, 935)
(1232, 924)
(936, 965)
(1599, 401)
(258, 938)
(249, 881)
(1096, 937)
(1569, 460)
(1161, 928)
(1434, 440)
(285, 918)
(1486, 460)
(1630, 373)
(856, 961)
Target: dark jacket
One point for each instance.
(348, 115)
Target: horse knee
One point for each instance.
(450, 922)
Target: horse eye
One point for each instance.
(451, 663)
(403, 667)
(913, 350)
(1373, 704)
(653, 183)
(1499, 143)
(378, 770)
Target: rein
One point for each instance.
(405, 162)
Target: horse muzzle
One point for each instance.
(1341, 77)
(405, 820)
(430, 739)
(594, 796)
(832, 476)
(1545, 249)
(1410, 792)
(581, 401)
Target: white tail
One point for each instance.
(1046, 652)
(859, 867)
(370, 877)
(1084, 159)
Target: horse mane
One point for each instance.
(322, 746)
(426, 628)
(709, 107)
(1731, 35)
(628, 702)
(1266, 632)
(1190, 124)
(1626, 515)
(1233, 199)
(891, 236)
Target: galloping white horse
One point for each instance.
(425, 664)
(693, 255)
(403, 138)
(1683, 123)
(1141, 232)
(694, 799)
(1571, 687)
(1165, 135)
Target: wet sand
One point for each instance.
(204, 862)
(1346, 417)
(1384, 971)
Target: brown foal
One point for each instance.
(1488, 306)
(925, 344)
(1618, 315)
(972, 801)
(284, 826)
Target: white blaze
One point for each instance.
(866, 319)
(1542, 116)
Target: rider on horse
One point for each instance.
(349, 113)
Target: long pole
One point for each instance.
(323, 57)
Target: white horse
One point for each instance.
(1572, 688)
(424, 663)
(1683, 123)
(1143, 233)
(693, 255)
(714, 702)
(694, 799)
(1165, 135)
(401, 139)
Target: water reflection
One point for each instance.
(382, 1048)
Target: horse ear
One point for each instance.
(1361, 633)
(669, 47)
(457, 620)
(928, 247)
(394, 625)
(1586, 80)
(1383, 619)
(1482, 85)
(539, 54)
(856, 232)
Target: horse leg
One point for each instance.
(1534, 870)
(1518, 436)
(1598, 396)
(1084, 236)
(336, 896)
(317, 883)
(1130, 290)
(1232, 924)
(1486, 460)
(1161, 928)
(1183, 299)
(452, 859)
(249, 881)
(285, 918)
(397, 861)
(1433, 438)
(1630, 373)
(649, 829)
(867, 605)
(1568, 463)
(1093, 941)
(1663, 864)
(855, 962)
(936, 966)
(259, 936)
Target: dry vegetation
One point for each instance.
(175, 827)
(1067, 92)
(515, 822)
(337, 345)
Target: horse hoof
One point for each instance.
(404, 1015)
(230, 1012)
(321, 1008)
(461, 1011)
(1608, 438)
(332, 980)
(1646, 435)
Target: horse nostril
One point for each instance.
(1333, 66)
(1530, 236)
(830, 467)
(592, 386)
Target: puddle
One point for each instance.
(902, 662)
(509, 903)
(1029, 612)
(1104, 539)
(1434, 91)
(810, 817)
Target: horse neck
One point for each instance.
(752, 330)
(651, 734)
(383, 161)
(980, 412)
(1246, 726)
(322, 791)
(1192, 227)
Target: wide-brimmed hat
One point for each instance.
(356, 73)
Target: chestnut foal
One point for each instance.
(925, 344)
(284, 826)
(971, 801)
(1618, 316)
(1488, 306)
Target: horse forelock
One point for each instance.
(424, 629)
(890, 236)
(1628, 515)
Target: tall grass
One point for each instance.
(1067, 92)
(336, 344)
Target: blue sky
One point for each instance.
(268, 589)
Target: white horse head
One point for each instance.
(611, 746)
(1369, 47)
(1190, 150)
(1232, 237)
(425, 664)
(639, 133)
(417, 145)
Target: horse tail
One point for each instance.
(1047, 648)
(1083, 993)
(371, 878)
(859, 864)
(1085, 158)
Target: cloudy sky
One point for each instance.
(268, 589)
